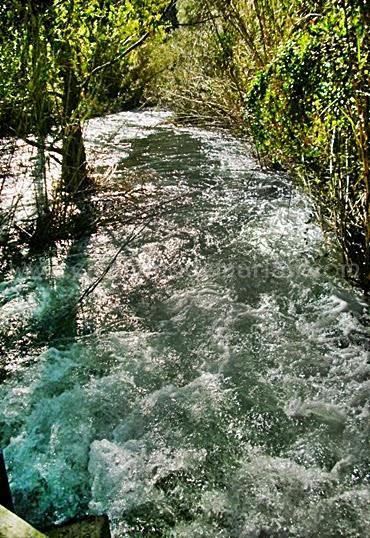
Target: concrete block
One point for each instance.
(12, 526)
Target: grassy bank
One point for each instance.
(294, 77)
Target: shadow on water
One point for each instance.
(51, 282)
(179, 154)
(57, 322)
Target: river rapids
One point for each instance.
(216, 380)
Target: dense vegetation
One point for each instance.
(293, 76)
(67, 61)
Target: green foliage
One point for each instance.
(192, 73)
(48, 36)
(309, 108)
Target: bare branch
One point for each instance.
(42, 146)
(35, 144)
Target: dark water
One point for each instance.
(216, 382)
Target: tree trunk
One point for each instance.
(75, 178)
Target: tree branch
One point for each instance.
(35, 144)
(42, 146)
(96, 282)
(196, 23)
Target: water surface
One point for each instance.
(216, 382)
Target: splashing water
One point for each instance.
(217, 381)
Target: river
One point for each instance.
(216, 381)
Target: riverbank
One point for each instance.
(294, 79)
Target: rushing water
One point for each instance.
(216, 382)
